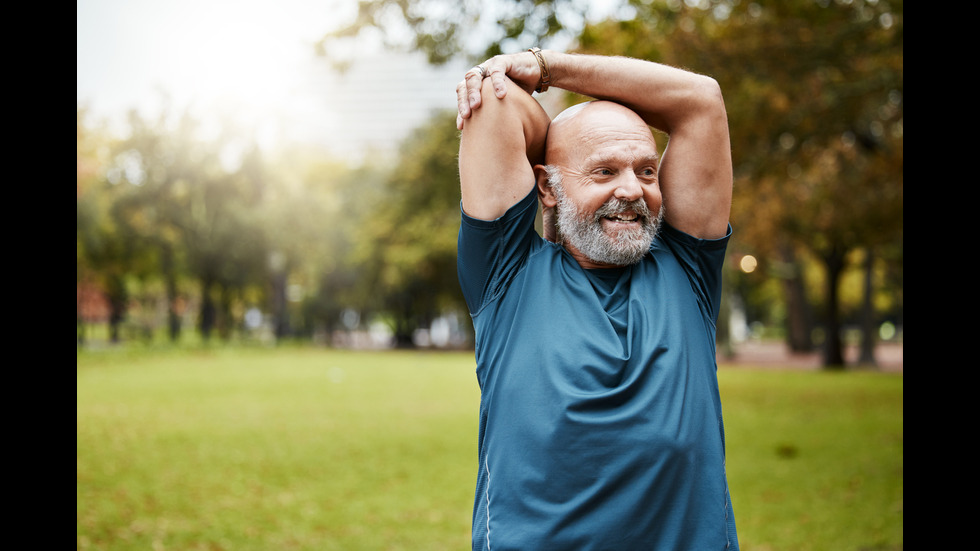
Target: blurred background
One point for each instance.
(270, 172)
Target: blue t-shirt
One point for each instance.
(600, 418)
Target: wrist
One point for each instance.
(544, 69)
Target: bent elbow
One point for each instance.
(708, 93)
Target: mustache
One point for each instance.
(615, 206)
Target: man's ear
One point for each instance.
(545, 194)
(548, 201)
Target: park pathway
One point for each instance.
(890, 357)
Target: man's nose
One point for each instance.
(628, 188)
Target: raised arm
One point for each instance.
(500, 143)
(695, 170)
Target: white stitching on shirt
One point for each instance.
(487, 468)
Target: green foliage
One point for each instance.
(300, 236)
(302, 448)
(411, 240)
(445, 29)
(219, 226)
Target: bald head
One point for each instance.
(584, 126)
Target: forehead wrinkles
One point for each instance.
(630, 150)
(623, 155)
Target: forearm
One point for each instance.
(666, 97)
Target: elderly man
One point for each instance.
(600, 416)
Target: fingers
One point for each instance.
(469, 90)
(462, 104)
(496, 69)
(468, 94)
(499, 80)
(474, 85)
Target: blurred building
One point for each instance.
(374, 103)
(381, 97)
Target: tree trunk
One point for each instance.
(173, 317)
(868, 332)
(117, 298)
(280, 305)
(799, 318)
(207, 309)
(406, 320)
(404, 328)
(833, 346)
(225, 323)
(799, 321)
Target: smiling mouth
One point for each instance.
(623, 212)
(622, 217)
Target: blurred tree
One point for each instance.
(815, 99)
(312, 223)
(410, 241)
(225, 241)
(445, 29)
(142, 209)
(188, 213)
(209, 216)
(815, 96)
(345, 280)
(101, 252)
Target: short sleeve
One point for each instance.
(702, 260)
(490, 252)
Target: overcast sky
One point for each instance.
(254, 57)
(195, 48)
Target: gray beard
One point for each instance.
(584, 231)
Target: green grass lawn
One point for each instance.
(315, 449)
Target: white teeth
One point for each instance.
(623, 217)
